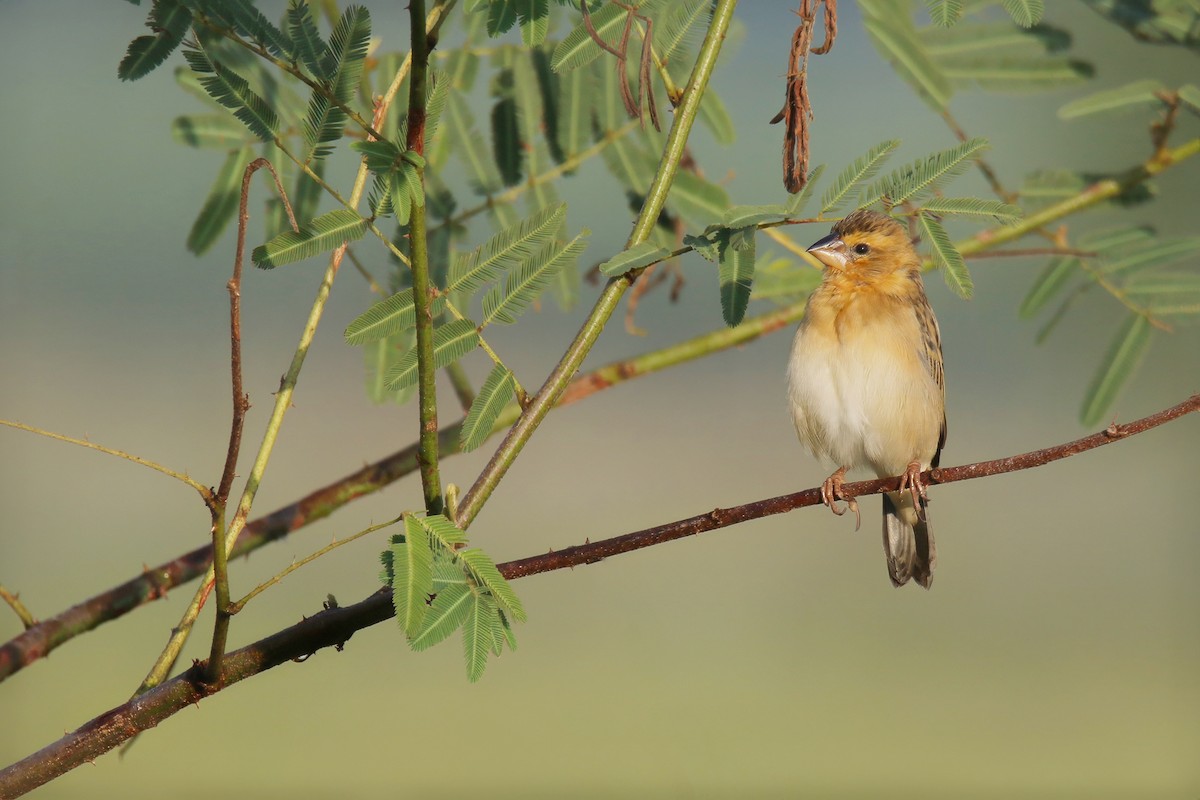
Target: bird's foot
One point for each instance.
(911, 482)
(832, 491)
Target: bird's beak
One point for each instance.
(830, 251)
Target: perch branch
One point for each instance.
(334, 626)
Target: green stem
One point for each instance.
(427, 453)
(283, 401)
(220, 567)
(556, 383)
(1093, 195)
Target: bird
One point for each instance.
(865, 379)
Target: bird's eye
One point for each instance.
(862, 248)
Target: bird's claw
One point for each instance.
(832, 491)
(911, 482)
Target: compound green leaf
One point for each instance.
(221, 204)
(1190, 95)
(412, 570)
(946, 257)
(861, 169)
(892, 31)
(321, 235)
(1125, 351)
(696, 198)
(747, 216)
(715, 117)
(1053, 278)
(1000, 74)
(526, 281)
(493, 396)
(170, 20)
(484, 571)
(470, 146)
(477, 634)
(379, 357)
(994, 38)
(387, 318)
(233, 91)
(514, 245)
(973, 207)
(445, 615)
(1138, 93)
(1025, 13)
(451, 342)
(1159, 254)
(735, 269)
(443, 533)
(923, 175)
(208, 130)
(799, 200)
(677, 26)
(578, 49)
(639, 256)
(783, 280)
(945, 12)
(306, 39)
(534, 18)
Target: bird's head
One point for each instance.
(867, 242)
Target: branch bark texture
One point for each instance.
(334, 627)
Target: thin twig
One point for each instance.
(14, 602)
(241, 404)
(235, 608)
(335, 625)
(205, 492)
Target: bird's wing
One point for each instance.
(931, 353)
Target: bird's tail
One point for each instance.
(907, 540)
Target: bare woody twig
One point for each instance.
(334, 626)
(241, 404)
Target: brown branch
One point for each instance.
(241, 401)
(241, 404)
(334, 626)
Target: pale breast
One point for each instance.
(860, 393)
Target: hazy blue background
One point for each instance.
(1058, 653)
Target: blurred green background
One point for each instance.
(1058, 653)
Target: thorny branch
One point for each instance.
(335, 625)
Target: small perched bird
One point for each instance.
(865, 379)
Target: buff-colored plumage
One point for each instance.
(865, 378)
